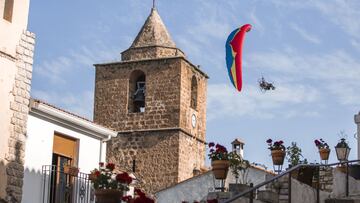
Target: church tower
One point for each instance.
(156, 99)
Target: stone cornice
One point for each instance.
(156, 59)
(163, 129)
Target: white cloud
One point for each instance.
(336, 74)
(224, 101)
(56, 70)
(256, 22)
(345, 14)
(304, 34)
(77, 103)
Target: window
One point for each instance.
(137, 89)
(194, 93)
(8, 10)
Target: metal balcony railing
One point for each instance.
(64, 186)
(251, 193)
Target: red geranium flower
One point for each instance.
(101, 164)
(110, 166)
(126, 198)
(139, 192)
(97, 173)
(124, 178)
(211, 144)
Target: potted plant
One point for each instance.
(71, 170)
(324, 149)
(294, 155)
(219, 160)
(239, 168)
(277, 151)
(109, 186)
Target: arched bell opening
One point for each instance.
(137, 89)
(194, 93)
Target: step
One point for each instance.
(284, 191)
(342, 200)
(283, 197)
(268, 196)
(246, 200)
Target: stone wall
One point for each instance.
(190, 147)
(186, 112)
(19, 106)
(162, 103)
(156, 156)
(161, 157)
(326, 179)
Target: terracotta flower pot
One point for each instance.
(278, 157)
(92, 177)
(324, 154)
(108, 196)
(71, 170)
(220, 168)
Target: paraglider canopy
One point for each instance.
(234, 45)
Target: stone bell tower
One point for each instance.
(156, 99)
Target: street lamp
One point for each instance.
(342, 150)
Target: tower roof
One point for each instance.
(238, 141)
(153, 33)
(152, 42)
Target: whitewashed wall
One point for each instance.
(11, 38)
(254, 176)
(197, 188)
(38, 152)
(194, 189)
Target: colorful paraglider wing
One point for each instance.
(234, 45)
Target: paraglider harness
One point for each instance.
(265, 86)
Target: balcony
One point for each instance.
(61, 185)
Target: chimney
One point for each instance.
(238, 147)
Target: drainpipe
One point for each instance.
(357, 121)
(102, 156)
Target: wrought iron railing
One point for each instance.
(59, 186)
(251, 193)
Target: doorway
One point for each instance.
(65, 153)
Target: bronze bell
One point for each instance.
(139, 96)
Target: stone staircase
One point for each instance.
(351, 199)
(284, 189)
(331, 192)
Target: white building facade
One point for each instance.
(56, 138)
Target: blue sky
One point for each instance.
(309, 49)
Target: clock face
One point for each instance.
(193, 120)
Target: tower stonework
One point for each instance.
(16, 59)
(156, 99)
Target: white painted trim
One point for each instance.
(43, 110)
